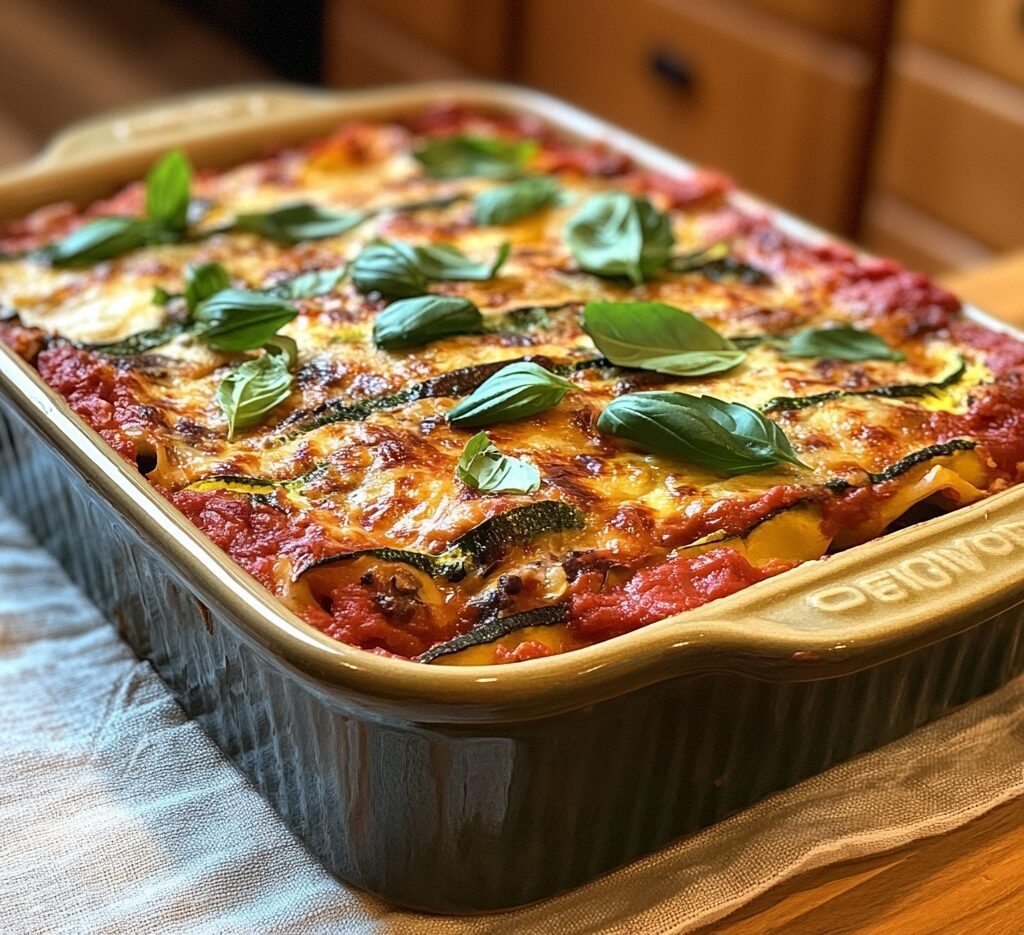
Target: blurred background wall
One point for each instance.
(899, 123)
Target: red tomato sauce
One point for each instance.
(355, 615)
(254, 533)
(100, 393)
(855, 507)
(25, 342)
(699, 189)
(679, 584)
(995, 419)
(1003, 353)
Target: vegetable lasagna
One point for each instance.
(460, 391)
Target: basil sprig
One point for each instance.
(652, 336)
(238, 320)
(396, 269)
(256, 386)
(615, 234)
(310, 284)
(167, 197)
(451, 157)
(420, 320)
(518, 199)
(203, 281)
(514, 392)
(104, 239)
(483, 467)
(443, 262)
(296, 222)
(389, 269)
(728, 438)
(223, 317)
(842, 343)
(167, 191)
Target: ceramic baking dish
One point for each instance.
(463, 789)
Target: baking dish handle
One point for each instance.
(870, 604)
(166, 123)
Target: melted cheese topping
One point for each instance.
(388, 480)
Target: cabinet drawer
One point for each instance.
(953, 144)
(894, 228)
(988, 34)
(861, 22)
(779, 107)
(470, 31)
(361, 48)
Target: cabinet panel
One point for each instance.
(894, 228)
(362, 48)
(470, 31)
(987, 33)
(781, 108)
(861, 22)
(953, 144)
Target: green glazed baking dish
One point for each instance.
(466, 789)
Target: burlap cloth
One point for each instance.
(117, 814)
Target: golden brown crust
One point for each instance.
(388, 480)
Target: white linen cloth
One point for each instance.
(117, 814)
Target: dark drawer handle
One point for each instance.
(672, 68)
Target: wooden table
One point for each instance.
(968, 881)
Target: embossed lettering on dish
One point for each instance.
(929, 570)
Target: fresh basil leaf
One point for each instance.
(236, 320)
(203, 281)
(297, 222)
(514, 392)
(413, 322)
(285, 347)
(484, 467)
(451, 157)
(310, 284)
(167, 191)
(842, 343)
(509, 203)
(443, 262)
(396, 269)
(728, 438)
(615, 234)
(390, 269)
(252, 389)
(714, 263)
(161, 296)
(104, 239)
(658, 337)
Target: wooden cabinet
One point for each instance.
(384, 41)
(781, 108)
(63, 61)
(894, 227)
(949, 172)
(863, 22)
(988, 34)
(953, 144)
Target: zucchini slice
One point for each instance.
(904, 464)
(140, 342)
(497, 627)
(893, 391)
(792, 533)
(482, 545)
(454, 383)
